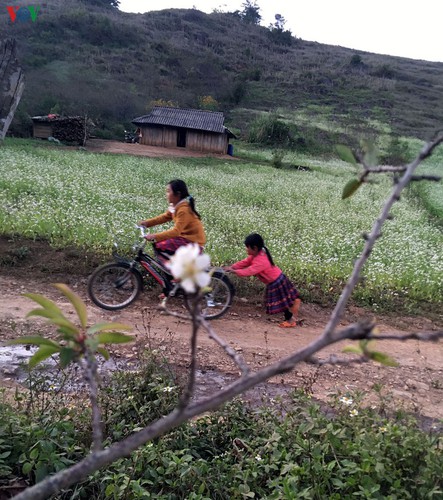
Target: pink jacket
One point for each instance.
(257, 266)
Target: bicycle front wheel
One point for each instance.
(114, 286)
(218, 300)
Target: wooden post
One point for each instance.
(12, 84)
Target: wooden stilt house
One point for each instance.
(193, 129)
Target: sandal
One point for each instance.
(288, 324)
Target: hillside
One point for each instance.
(111, 65)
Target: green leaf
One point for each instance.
(350, 188)
(67, 355)
(54, 318)
(68, 333)
(345, 154)
(76, 301)
(66, 325)
(382, 358)
(113, 338)
(99, 327)
(27, 468)
(43, 353)
(103, 352)
(371, 153)
(353, 349)
(365, 344)
(45, 303)
(110, 490)
(32, 340)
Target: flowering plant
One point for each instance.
(190, 267)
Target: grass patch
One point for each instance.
(90, 200)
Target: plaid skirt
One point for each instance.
(170, 246)
(280, 295)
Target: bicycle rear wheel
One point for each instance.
(218, 300)
(114, 286)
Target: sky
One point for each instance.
(405, 28)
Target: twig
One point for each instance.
(91, 378)
(364, 330)
(425, 336)
(335, 360)
(237, 358)
(376, 233)
(433, 178)
(192, 306)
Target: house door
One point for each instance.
(181, 138)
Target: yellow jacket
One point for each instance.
(186, 224)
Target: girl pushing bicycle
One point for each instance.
(281, 296)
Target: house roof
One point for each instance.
(197, 119)
(53, 118)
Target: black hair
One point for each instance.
(180, 188)
(256, 240)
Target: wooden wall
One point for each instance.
(196, 140)
(165, 137)
(207, 141)
(42, 130)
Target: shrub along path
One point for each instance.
(415, 386)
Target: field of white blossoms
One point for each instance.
(91, 200)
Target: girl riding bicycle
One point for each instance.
(188, 227)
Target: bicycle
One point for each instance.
(117, 284)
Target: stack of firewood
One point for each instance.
(70, 129)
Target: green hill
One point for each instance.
(80, 58)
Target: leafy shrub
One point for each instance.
(269, 130)
(208, 102)
(288, 448)
(134, 399)
(277, 158)
(397, 153)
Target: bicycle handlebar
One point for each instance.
(142, 230)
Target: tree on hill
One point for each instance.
(251, 12)
(277, 31)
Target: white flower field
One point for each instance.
(90, 200)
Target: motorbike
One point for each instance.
(131, 137)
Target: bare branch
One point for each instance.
(376, 232)
(124, 448)
(237, 358)
(433, 178)
(335, 360)
(187, 410)
(383, 170)
(91, 378)
(425, 336)
(192, 306)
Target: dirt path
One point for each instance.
(116, 147)
(415, 386)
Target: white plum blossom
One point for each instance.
(168, 388)
(346, 401)
(190, 267)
